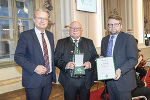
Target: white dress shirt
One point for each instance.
(39, 36)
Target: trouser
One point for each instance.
(115, 94)
(75, 88)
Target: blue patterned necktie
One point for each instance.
(110, 46)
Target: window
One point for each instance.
(15, 17)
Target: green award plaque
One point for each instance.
(79, 70)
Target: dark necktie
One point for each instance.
(76, 49)
(46, 57)
(110, 46)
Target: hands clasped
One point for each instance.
(40, 69)
(71, 65)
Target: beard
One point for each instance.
(114, 32)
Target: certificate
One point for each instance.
(79, 70)
(105, 68)
(79, 59)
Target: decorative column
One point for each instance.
(129, 16)
(138, 20)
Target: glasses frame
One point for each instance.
(114, 25)
(40, 18)
(75, 28)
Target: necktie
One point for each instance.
(46, 57)
(76, 49)
(110, 45)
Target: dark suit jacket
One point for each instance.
(29, 54)
(125, 57)
(64, 54)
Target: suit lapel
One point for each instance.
(50, 38)
(70, 44)
(36, 42)
(81, 44)
(106, 45)
(117, 44)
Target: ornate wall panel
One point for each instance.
(120, 7)
(146, 4)
(110, 7)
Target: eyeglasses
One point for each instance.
(75, 28)
(40, 18)
(115, 25)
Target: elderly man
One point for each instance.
(75, 85)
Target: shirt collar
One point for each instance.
(76, 39)
(114, 35)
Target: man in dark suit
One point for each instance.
(35, 54)
(124, 51)
(75, 86)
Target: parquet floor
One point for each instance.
(56, 94)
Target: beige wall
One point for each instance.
(145, 52)
(92, 23)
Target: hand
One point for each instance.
(101, 57)
(40, 69)
(118, 74)
(87, 65)
(70, 65)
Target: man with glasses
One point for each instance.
(35, 54)
(122, 47)
(75, 86)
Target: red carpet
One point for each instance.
(147, 78)
(95, 95)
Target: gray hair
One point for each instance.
(42, 10)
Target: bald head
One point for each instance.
(75, 23)
(75, 30)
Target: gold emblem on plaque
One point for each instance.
(79, 69)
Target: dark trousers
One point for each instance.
(75, 88)
(115, 94)
(42, 92)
